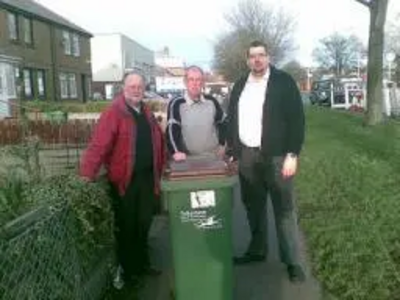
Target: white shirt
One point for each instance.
(251, 110)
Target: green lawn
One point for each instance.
(349, 204)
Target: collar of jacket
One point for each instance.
(120, 103)
(190, 101)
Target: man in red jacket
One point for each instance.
(128, 141)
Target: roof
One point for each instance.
(42, 12)
(176, 71)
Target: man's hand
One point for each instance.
(289, 166)
(233, 165)
(220, 151)
(179, 156)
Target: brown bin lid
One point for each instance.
(198, 167)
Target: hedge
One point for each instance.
(79, 107)
(349, 204)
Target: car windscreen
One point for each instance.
(321, 85)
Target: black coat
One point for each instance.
(283, 122)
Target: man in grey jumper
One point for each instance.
(195, 122)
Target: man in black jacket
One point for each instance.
(265, 134)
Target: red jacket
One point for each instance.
(112, 145)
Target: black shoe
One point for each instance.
(296, 274)
(249, 258)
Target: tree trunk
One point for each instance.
(375, 99)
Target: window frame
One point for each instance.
(76, 45)
(73, 92)
(11, 82)
(38, 85)
(70, 90)
(14, 36)
(30, 80)
(63, 78)
(27, 22)
(67, 42)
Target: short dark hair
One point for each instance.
(193, 67)
(257, 43)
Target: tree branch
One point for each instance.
(367, 3)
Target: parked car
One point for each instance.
(321, 92)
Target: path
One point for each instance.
(253, 282)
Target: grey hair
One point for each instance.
(194, 67)
(127, 74)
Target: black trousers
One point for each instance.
(134, 213)
(260, 177)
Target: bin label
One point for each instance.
(209, 223)
(200, 219)
(202, 199)
(193, 216)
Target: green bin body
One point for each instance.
(200, 220)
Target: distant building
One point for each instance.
(112, 56)
(170, 73)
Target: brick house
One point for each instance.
(43, 56)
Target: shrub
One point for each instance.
(20, 167)
(23, 187)
(79, 107)
(90, 203)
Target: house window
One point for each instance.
(28, 32)
(10, 81)
(67, 43)
(41, 86)
(12, 21)
(27, 77)
(76, 51)
(64, 85)
(68, 86)
(73, 91)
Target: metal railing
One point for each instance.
(40, 258)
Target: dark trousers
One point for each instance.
(260, 177)
(134, 213)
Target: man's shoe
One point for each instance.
(249, 258)
(296, 274)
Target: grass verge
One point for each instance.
(349, 204)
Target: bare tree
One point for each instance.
(393, 43)
(339, 53)
(393, 35)
(378, 11)
(252, 20)
(295, 69)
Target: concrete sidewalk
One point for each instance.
(262, 281)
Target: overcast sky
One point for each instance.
(189, 27)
